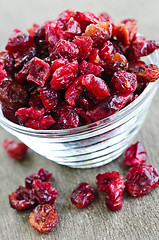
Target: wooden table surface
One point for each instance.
(139, 217)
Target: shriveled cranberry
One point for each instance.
(21, 76)
(124, 82)
(67, 117)
(15, 149)
(3, 73)
(83, 118)
(146, 73)
(115, 63)
(35, 101)
(58, 63)
(49, 97)
(39, 71)
(135, 154)
(41, 124)
(106, 17)
(66, 15)
(51, 35)
(126, 31)
(13, 94)
(20, 199)
(74, 91)
(108, 106)
(99, 33)
(84, 45)
(73, 28)
(43, 192)
(106, 50)
(43, 218)
(114, 192)
(9, 113)
(19, 42)
(64, 76)
(87, 17)
(65, 49)
(29, 113)
(95, 58)
(89, 68)
(82, 195)
(24, 57)
(141, 178)
(95, 85)
(39, 39)
(7, 60)
(32, 30)
(41, 174)
(104, 178)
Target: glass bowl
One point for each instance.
(92, 145)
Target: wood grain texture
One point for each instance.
(139, 217)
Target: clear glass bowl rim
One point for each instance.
(92, 126)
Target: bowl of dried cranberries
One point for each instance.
(77, 89)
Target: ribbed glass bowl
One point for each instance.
(92, 145)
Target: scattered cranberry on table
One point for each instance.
(16, 150)
(72, 71)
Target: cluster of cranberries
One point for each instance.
(140, 179)
(38, 191)
(73, 71)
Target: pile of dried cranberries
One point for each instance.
(73, 71)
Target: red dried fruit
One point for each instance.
(15, 149)
(32, 30)
(106, 50)
(64, 76)
(135, 154)
(141, 178)
(3, 73)
(67, 117)
(24, 57)
(106, 17)
(66, 15)
(95, 58)
(43, 192)
(39, 71)
(124, 82)
(108, 106)
(146, 73)
(7, 60)
(87, 17)
(43, 218)
(58, 63)
(42, 124)
(51, 32)
(73, 28)
(13, 94)
(35, 101)
(41, 174)
(84, 45)
(115, 63)
(99, 33)
(104, 178)
(49, 97)
(89, 68)
(19, 42)
(95, 85)
(20, 199)
(82, 195)
(29, 113)
(65, 49)
(21, 76)
(9, 114)
(114, 192)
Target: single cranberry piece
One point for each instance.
(73, 28)
(21, 76)
(89, 68)
(43, 218)
(43, 192)
(84, 45)
(82, 195)
(95, 58)
(135, 154)
(87, 17)
(9, 113)
(20, 199)
(66, 15)
(41, 124)
(58, 63)
(39, 71)
(106, 50)
(141, 178)
(13, 94)
(3, 73)
(24, 57)
(104, 178)
(41, 174)
(29, 113)
(35, 101)
(64, 76)
(15, 149)
(51, 35)
(7, 60)
(124, 82)
(114, 192)
(106, 17)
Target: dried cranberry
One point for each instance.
(95, 85)
(141, 178)
(24, 57)
(114, 192)
(51, 32)
(73, 28)
(29, 113)
(124, 82)
(108, 106)
(3, 73)
(87, 17)
(89, 68)
(7, 60)
(67, 117)
(20, 199)
(64, 76)
(39, 71)
(32, 30)
(41, 124)
(84, 45)
(43, 192)
(106, 50)
(58, 63)
(135, 154)
(95, 58)
(35, 101)
(9, 113)
(19, 42)
(106, 17)
(43, 218)
(41, 174)
(66, 15)
(13, 94)
(99, 33)
(104, 178)
(82, 195)
(15, 149)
